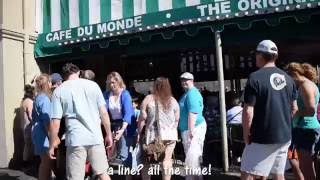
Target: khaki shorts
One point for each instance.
(263, 159)
(77, 156)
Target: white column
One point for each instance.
(222, 101)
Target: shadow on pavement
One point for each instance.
(8, 177)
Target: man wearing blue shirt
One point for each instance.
(192, 125)
(81, 103)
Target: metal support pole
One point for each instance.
(222, 102)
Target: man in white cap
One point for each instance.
(192, 125)
(270, 102)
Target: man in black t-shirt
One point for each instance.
(270, 102)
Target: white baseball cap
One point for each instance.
(187, 75)
(267, 46)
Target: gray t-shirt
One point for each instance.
(78, 101)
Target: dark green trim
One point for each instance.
(206, 1)
(64, 14)
(178, 4)
(105, 10)
(152, 6)
(84, 12)
(127, 9)
(46, 16)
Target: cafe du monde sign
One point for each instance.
(220, 9)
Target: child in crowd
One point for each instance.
(134, 155)
(134, 122)
(136, 104)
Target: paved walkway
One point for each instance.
(8, 174)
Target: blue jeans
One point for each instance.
(124, 145)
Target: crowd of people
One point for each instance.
(96, 124)
(279, 113)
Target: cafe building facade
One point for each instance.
(17, 67)
(143, 39)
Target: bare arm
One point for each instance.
(29, 109)
(54, 141)
(177, 113)
(119, 133)
(294, 108)
(309, 99)
(124, 126)
(143, 114)
(54, 127)
(106, 124)
(247, 116)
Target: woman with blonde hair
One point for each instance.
(306, 126)
(119, 106)
(160, 115)
(40, 124)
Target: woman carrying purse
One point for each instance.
(160, 116)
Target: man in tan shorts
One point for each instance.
(81, 103)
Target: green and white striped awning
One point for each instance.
(62, 23)
(55, 15)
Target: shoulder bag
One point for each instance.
(155, 151)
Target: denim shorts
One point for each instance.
(306, 139)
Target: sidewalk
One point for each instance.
(8, 174)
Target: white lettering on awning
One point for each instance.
(219, 7)
(49, 37)
(102, 28)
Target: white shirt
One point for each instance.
(114, 106)
(234, 115)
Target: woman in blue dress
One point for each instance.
(41, 121)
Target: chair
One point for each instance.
(236, 142)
